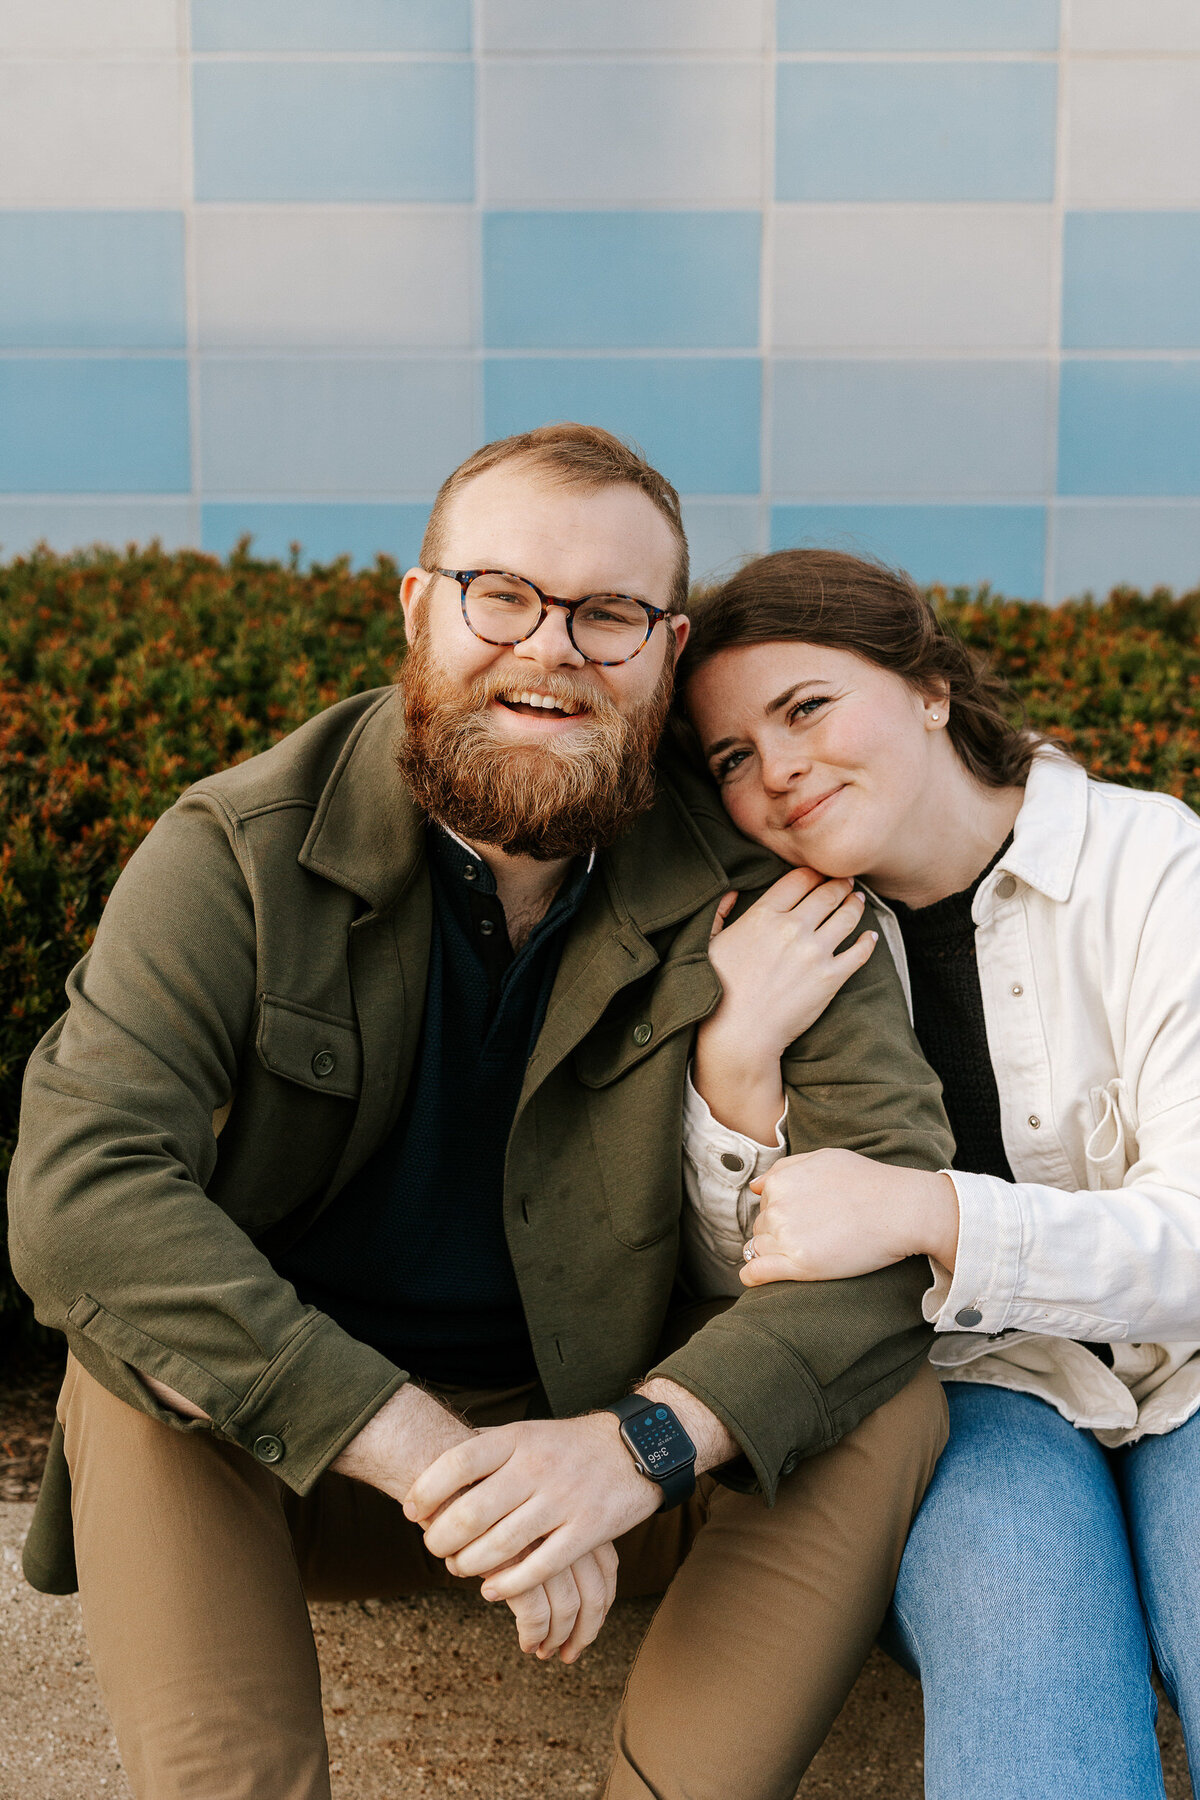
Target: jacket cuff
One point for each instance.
(979, 1295)
(278, 1422)
(780, 1422)
(708, 1141)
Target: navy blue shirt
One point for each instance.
(411, 1257)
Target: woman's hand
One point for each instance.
(779, 966)
(833, 1213)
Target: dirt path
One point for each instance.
(425, 1699)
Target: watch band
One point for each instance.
(680, 1484)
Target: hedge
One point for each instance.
(125, 676)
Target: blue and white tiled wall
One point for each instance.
(917, 275)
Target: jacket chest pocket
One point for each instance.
(312, 1049)
(632, 1068)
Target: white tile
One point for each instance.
(1135, 25)
(1143, 543)
(336, 276)
(615, 25)
(1133, 133)
(721, 534)
(73, 524)
(87, 27)
(353, 428)
(90, 133)
(914, 277)
(622, 133)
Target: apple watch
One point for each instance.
(661, 1449)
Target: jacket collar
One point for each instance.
(367, 835)
(1049, 830)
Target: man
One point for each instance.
(352, 1175)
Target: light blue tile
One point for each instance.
(323, 25)
(74, 524)
(92, 280)
(696, 419)
(1129, 428)
(958, 546)
(621, 280)
(919, 430)
(76, 426)
(1131, 281)
(360, 429)
(917, 24)
(721, 534)
(324, 532)
(334, 131)
(915, 131)
(1144, 544)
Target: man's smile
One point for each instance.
(546, 712)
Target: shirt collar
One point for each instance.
(1049, 829)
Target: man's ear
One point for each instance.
(680, 626)
(412, 592)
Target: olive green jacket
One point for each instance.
(239, 1040)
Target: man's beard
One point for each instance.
(555, 796)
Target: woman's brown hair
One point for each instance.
(849, 603)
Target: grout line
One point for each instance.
(1054, 386)
(14, 500)
(467, 351)
(767, 282)
(187, 165)
(478, 391)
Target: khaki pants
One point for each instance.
(196, 1565)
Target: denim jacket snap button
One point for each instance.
(970, 1315)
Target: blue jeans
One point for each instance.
(1040, 1570)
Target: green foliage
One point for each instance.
(124, 676)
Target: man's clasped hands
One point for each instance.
(532, 1508)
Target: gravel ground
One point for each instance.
(424, 1698)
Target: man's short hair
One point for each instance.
(581, 456)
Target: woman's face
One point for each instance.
(819, 755)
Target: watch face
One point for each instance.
(660, 1441)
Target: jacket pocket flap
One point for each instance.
(310, 1048)
(683, 992)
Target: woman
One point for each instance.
(1045, 928)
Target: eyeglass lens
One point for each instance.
(503, 609)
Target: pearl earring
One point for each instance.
(935, 716)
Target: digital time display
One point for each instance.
(660, 1440)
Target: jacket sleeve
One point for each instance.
(792, 1366)
(112, 1233)
(1119, 1259)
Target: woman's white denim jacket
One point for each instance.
(1088, 940)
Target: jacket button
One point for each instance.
(1035, 1124)
(790, 1462)
(324, 1062)
(643, 1033)
(1006, 887)
(970, 1315)
(1017, 989)
(268, 1449)
(731, 1161)
(486, 927)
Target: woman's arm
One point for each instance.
(779, 965)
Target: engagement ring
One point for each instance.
(748, 1251)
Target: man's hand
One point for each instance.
(538, 1496)
(833, 1213)
(412, 1430)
